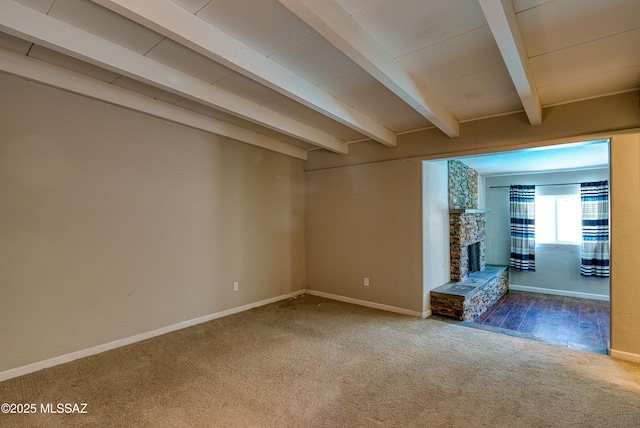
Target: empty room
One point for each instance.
(238, 213)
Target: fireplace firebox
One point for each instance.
(474, 257)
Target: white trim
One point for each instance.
(66, 358)
(189, 30)
(503, 24)
(368, 304)
(340, 29)
(621, 355)
(559, 292)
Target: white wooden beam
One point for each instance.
(332, 22)
(28, 24)
(19, 65)
(504, 25)
(176, 23)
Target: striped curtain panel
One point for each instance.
(594, 254)
(523, 244)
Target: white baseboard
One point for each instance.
(368, 304)
(621, 355)
(558, 292)
(66, 358)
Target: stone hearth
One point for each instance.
(468, 299)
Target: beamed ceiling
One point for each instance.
(296, 75)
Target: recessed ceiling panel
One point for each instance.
(560, 24)
(39, 5)
(192, 5)
(53, 57)
(522, 5)
(302, 114)
(101, 22)
(184, 59)
(487, 107)
(264, 25)
(249, 89)
(354, 6)
(315, 60)
(403, 26)
(602, 84)
(395, 114)
(468, 53)
(487, 84)
(357, 88)
(588, 59)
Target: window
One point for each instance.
(558, 219)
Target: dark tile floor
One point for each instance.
(564, 321)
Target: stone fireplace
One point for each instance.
(467, 296)
(466, 228)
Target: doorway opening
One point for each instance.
(555, 303)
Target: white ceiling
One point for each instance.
(583, 155)
(295, 75)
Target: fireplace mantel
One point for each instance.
(469, 211)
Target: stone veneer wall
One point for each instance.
(463, 186)
(466, 229)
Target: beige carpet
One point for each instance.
(312, 362)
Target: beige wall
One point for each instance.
(366, 221)
(625, 244)
(113, 223)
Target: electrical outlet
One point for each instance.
(366, 281)
(235, 286)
